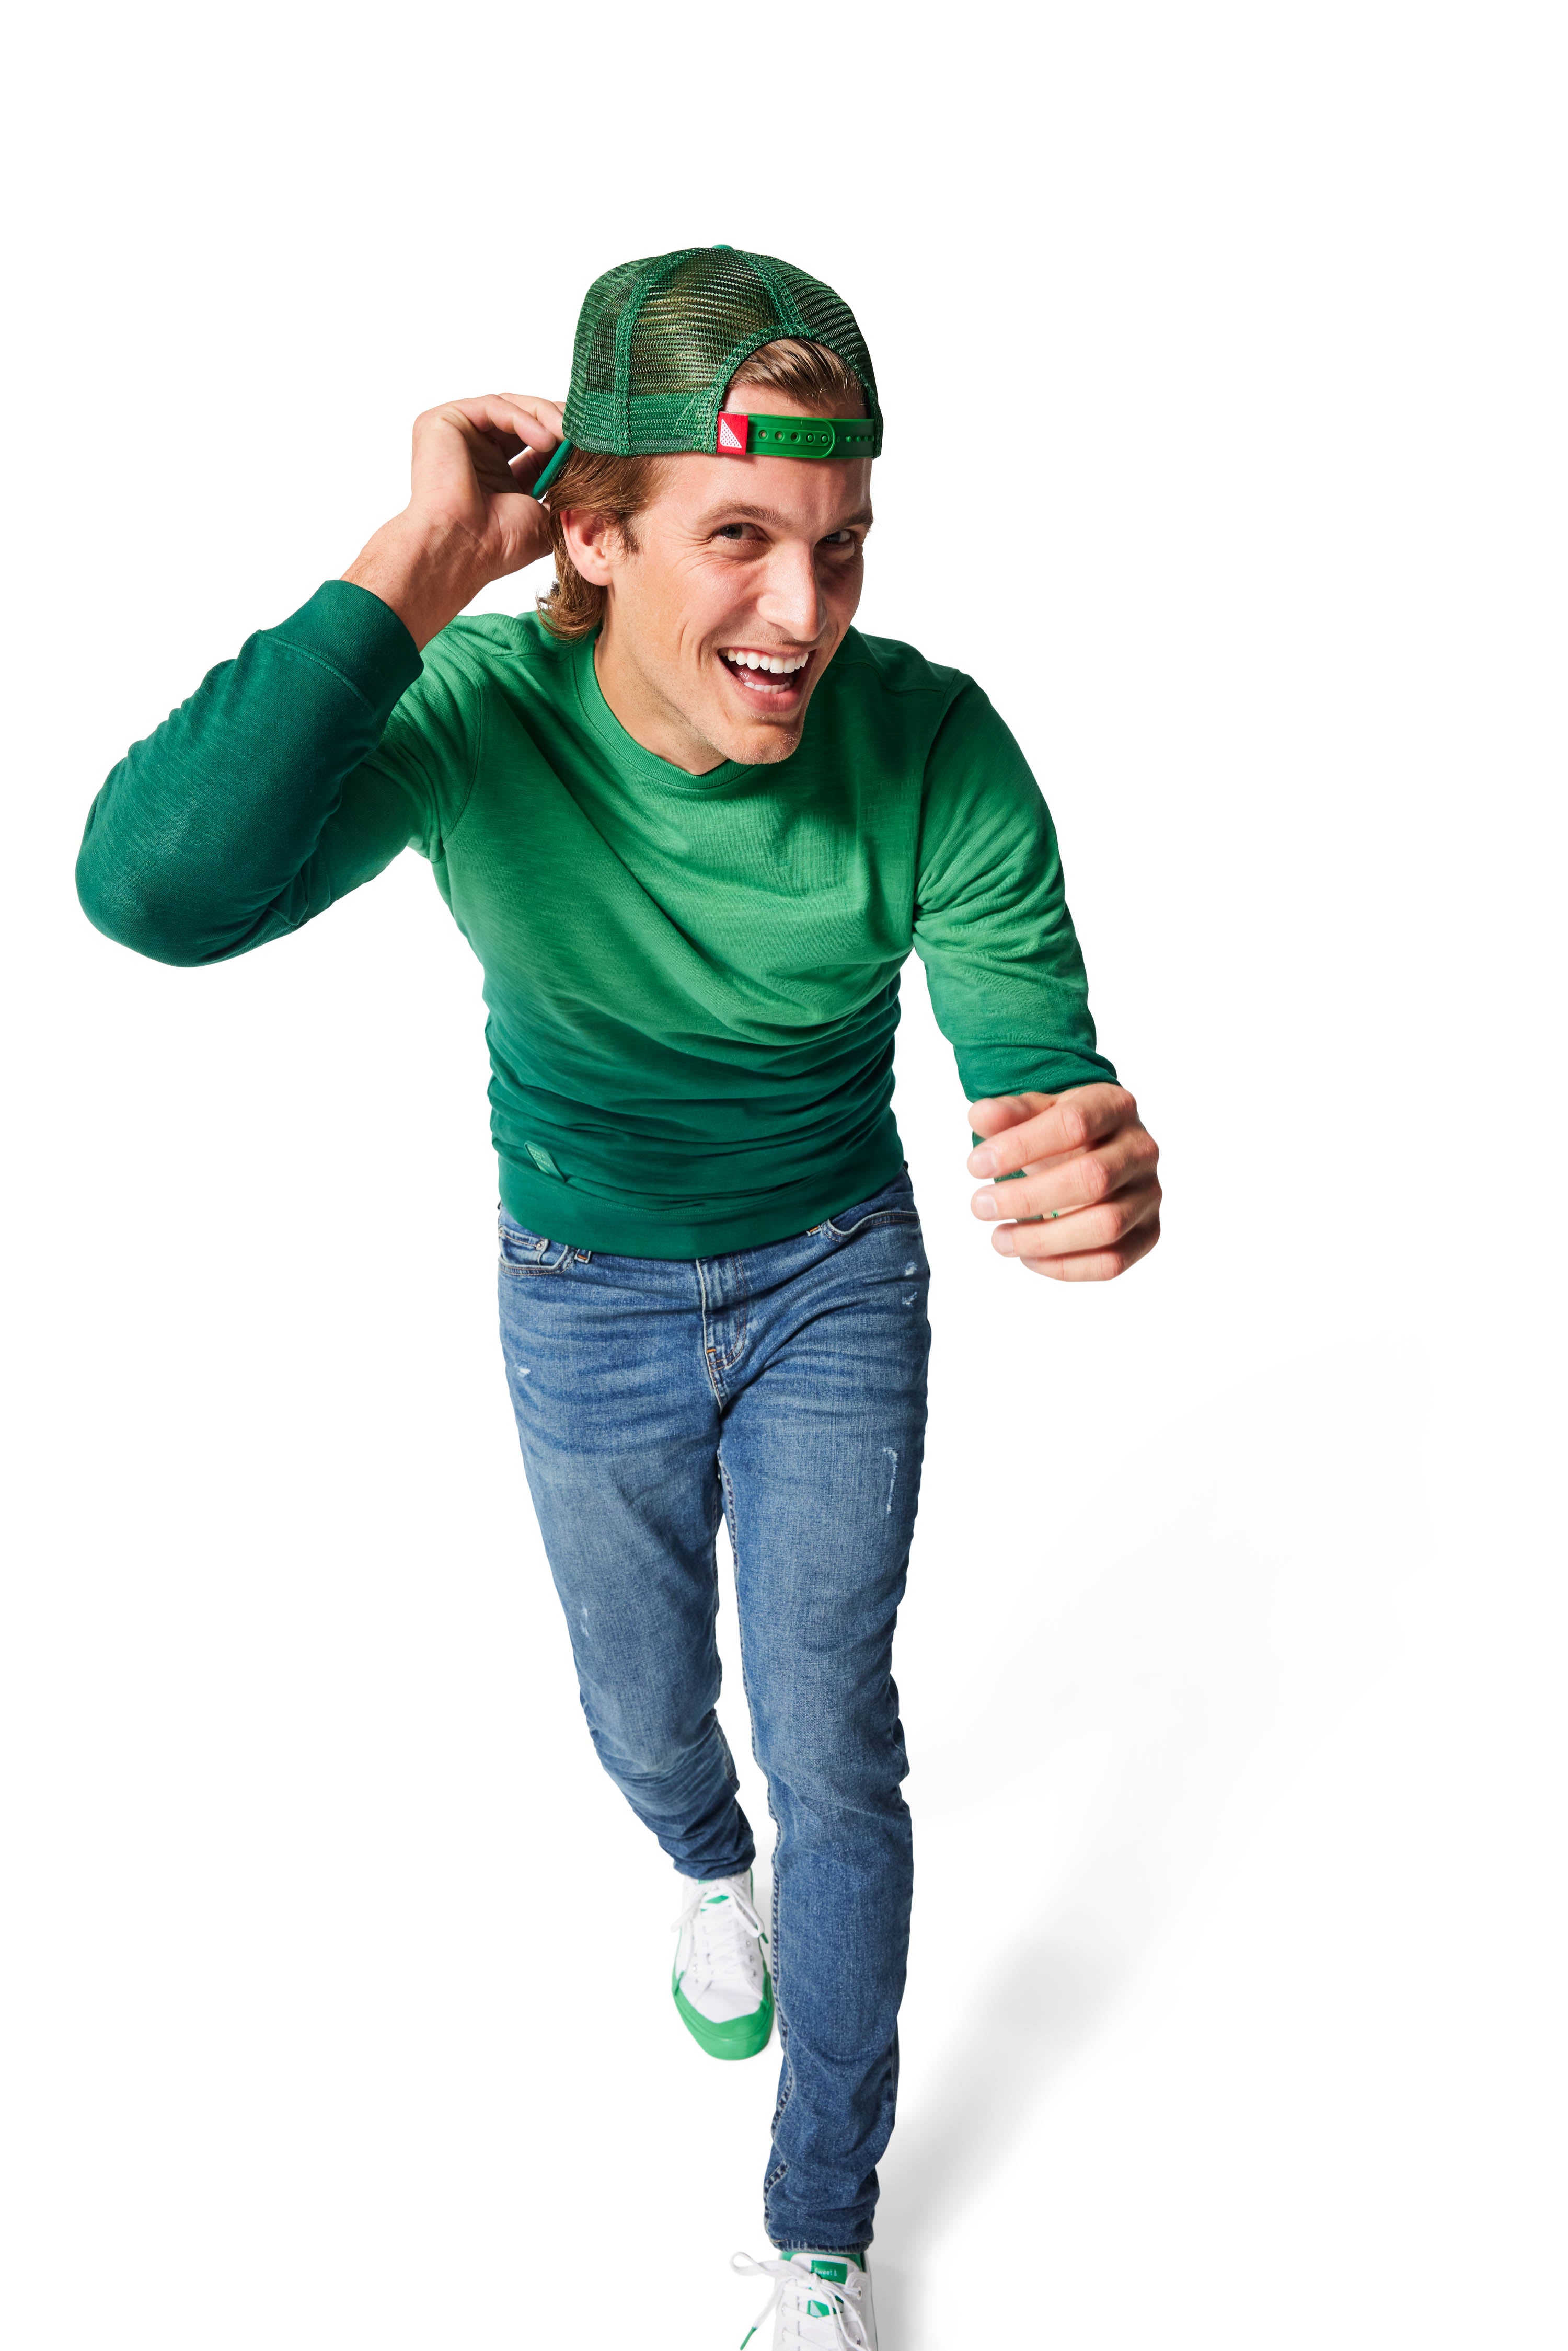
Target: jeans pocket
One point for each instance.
(856, 1220)
(893, 1204)
(525, 1252)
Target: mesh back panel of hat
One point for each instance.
(659, 340)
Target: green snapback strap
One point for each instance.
(736, 435)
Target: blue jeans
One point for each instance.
(786, 1386)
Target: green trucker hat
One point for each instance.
(659, 341)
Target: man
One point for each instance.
(692, 823)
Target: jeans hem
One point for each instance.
(703, 1876)
(831, 2252)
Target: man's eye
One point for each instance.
(730, 530)
(840, 538)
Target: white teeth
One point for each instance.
(776, 665)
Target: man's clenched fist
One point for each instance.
(1087, 1204)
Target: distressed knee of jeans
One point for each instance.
(640, 1753)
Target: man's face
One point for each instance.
(739, 560)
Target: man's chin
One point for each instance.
(761, 744)
(764, 746)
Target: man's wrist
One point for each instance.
(424, 572)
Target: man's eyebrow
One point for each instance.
(771, 514)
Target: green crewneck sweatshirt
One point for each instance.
(691, 981)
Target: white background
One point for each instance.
(1222, 360)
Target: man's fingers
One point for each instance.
(549, 411)
(1107, 1226)
(1073, 1122)
(1097, 1265)
(1110, 1237)
(1052, 1188)
(526, 425)
(536, 423)
(994, 1111)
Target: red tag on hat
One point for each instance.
(734, 428)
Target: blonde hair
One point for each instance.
(620, 488)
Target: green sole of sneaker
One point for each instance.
(743, 2036)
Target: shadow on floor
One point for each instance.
(1048, 1995)
(1043, 2003)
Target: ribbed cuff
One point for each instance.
(360, 638)
(983, 1078)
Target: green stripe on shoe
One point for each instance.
(739, 2036)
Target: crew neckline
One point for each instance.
(632, 754)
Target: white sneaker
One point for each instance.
(720, 1979)
(821, 2302)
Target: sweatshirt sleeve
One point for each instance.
(259, 801)
(991, 925)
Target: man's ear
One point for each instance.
(593, 541)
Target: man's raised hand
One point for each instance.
(1089, 1177)
(473, 462)
(469, 518)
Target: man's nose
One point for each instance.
(790, 600)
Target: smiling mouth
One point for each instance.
(773, 681)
